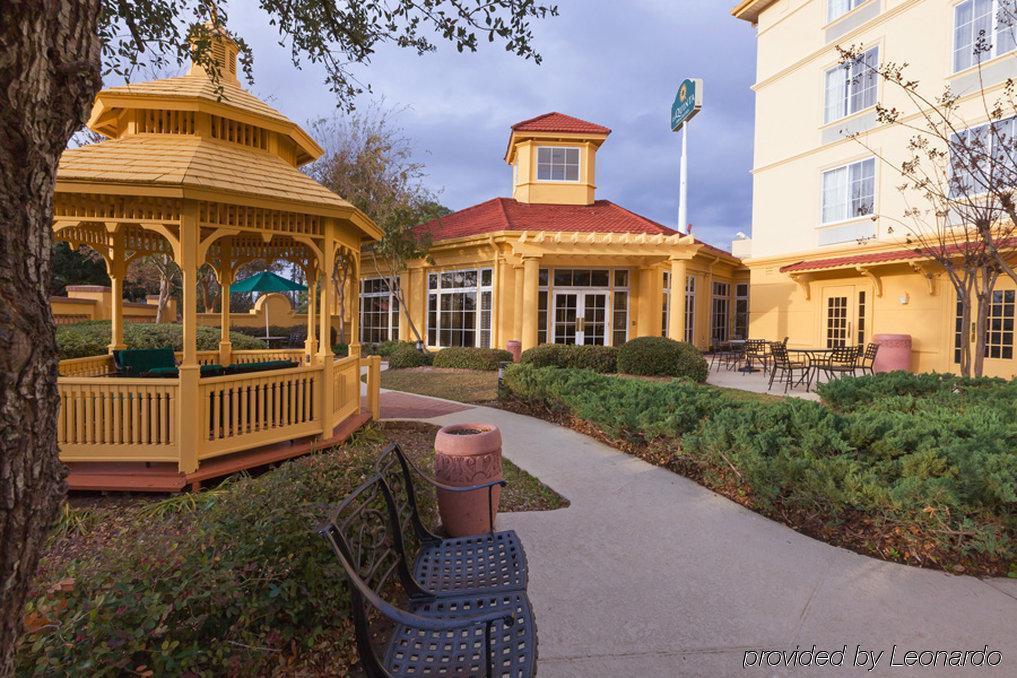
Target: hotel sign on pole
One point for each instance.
(687, 102)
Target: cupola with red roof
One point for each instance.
(553, 159)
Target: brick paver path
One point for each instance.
(396, 405)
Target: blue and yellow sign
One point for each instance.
(687, 102)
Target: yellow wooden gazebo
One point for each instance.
(205, 174)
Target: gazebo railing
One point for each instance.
(105, 418)
(345, 389)
(91, 366)
(249, 410)
(117, 419)
(261, 355)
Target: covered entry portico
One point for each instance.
(204, 178)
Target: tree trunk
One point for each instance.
(49, 75)
(165, 291)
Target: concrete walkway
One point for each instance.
(649, 574)
(756, 382)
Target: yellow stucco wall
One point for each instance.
(796, 46)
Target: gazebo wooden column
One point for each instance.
(226, 273)
(310, 344)
(116, 267)
(188, 421)
(325, 356)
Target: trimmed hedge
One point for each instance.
(92, 338)
(408, 356)
(232, 587)
(945, 389)
(385, 348)
(468, 358)
(602, 359)
(915, 468)
(657, 356)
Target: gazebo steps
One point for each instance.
(164, 477)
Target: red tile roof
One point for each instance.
(506, 214)
(559, 122)
(877, 258)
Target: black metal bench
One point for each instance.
(459, 627)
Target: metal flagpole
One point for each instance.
(683, 211)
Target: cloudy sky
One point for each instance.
(614, 62)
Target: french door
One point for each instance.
(580, 317)
(844, 316)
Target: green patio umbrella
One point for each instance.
(263, 282)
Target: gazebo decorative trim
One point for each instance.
(214, 181)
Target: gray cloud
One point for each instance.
(615, 62)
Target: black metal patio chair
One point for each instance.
(756, 352)
(485, 633)
(842, 360)
(788, 367)
(451, 565)
(867, 360)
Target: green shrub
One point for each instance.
(467, 358)
(629, 408)
(945, 389)
(385, 348)
(657, 356)
(341, 350)
(93, 337)
(408, 356)
(544, 355)
(229, 589)
(602, 359)
(927, 462)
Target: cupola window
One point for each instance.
(557, 163)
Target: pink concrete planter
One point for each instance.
(515, 348)
(467, 454)
(894, 352)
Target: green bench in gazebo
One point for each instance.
(161, 363)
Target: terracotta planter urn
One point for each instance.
(894, 352)
(515, 348)
(467, 454)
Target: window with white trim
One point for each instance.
(557, 163)
(838, 8)
(982, 29)
(719, 312)
(851, 86)
(379, 310)
(665, 306)
(849, 192)
(690, 308)
(459, 308)
(1000, 330)
(741, 315)
(970, 153)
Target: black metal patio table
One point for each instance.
(813, 354)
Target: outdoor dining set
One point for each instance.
(793, 366)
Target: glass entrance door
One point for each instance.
(845, 311)
(593, 327)
(566, 317)
(580, 317)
